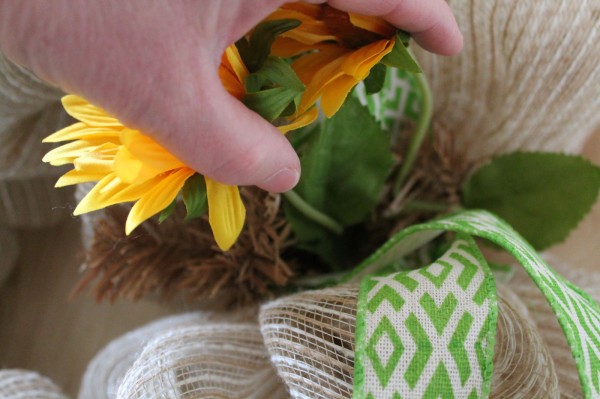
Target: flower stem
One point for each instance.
(420, 132)
(313, 214)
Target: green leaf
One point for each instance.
(194, 197)
(255, 50)
(542, 195)
(334, 250)
(274, 72)
(168, 211)
(345, 165)
(270, 103)
(376, 79)
(400, 57)
(300, 138)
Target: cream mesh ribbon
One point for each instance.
(21, 384)
(210, 360)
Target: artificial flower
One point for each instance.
(337, 49)
(131, 167)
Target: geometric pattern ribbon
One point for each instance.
(428, 333)
(577, 313)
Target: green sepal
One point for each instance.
(542, 195)
(376, 79)
(274, 72)
(273, 91)
(168, 211)
(194, 197)
(270, 103)
(400, 57)
(255, 49)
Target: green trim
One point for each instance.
(360, 340)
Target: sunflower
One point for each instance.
(337, 50)
(129, 166)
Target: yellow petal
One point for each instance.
(87, 113)
(81, 131)
(226, 212)
(148, 151)
(103, 194)
(77, 177)
(335, 93)
(157, 198)
(112, 190)
(311, 30)
(361, 60)
(324, 67)
(372, 24)
(309, 65)
(67, 153)
(100, 160)
(305, 119)
(234, 59)
(131, 170)
(231, 83)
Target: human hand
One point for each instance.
(153, 64)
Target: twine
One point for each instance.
(20, 384)
(527, 78)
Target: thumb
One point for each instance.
(221, 138)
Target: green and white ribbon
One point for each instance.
(428, 332)
(436, 341)
(398, 102)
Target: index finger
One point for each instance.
(430, 22)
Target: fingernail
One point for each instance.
(282, 180)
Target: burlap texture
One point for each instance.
(22, 94)
(29, 111)
(23, 384)
(527, 79)
(9, 248)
